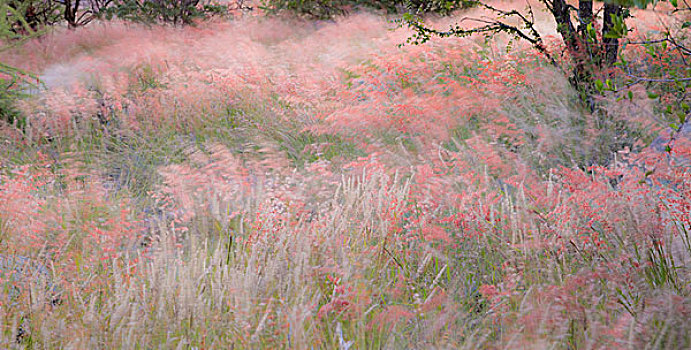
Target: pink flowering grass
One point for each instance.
(272, 183)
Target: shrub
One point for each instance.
(325, 9)
(162, 11)
(9, 93)
(23, 16)
(443, 7)
(15, 27)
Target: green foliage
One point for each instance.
(11, 80)
(11, 20)
(22, 17)
(660, 64)
(637, 3)
(325, 9)
(162, 11)
(442, 7)
(310, 8)
(14, 29)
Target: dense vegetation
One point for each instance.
(292, 174)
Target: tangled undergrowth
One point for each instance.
(276, 184)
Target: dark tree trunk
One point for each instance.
(610, 45)
(585, 14)
(71, 11)
(576, 41)
(562, 15)
(586, 49)
(586, 52)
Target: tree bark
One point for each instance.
(611, 45)
(585, 14)
(71, 13)
(562, 15)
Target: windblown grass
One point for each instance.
(274, 184)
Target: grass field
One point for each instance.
(275, 183)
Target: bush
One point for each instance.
(162, 11)
(443, 7)
(15, 27)
(21, 17)
(325, 9)
(8, 95)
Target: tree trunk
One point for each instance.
(585, 14)
(584, 50)
(611, 45)
(71, 13)
(562, 15)
(576, 41)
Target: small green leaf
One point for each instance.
(630, 96)
(652, 95)
(599, 85)
(686, 25)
